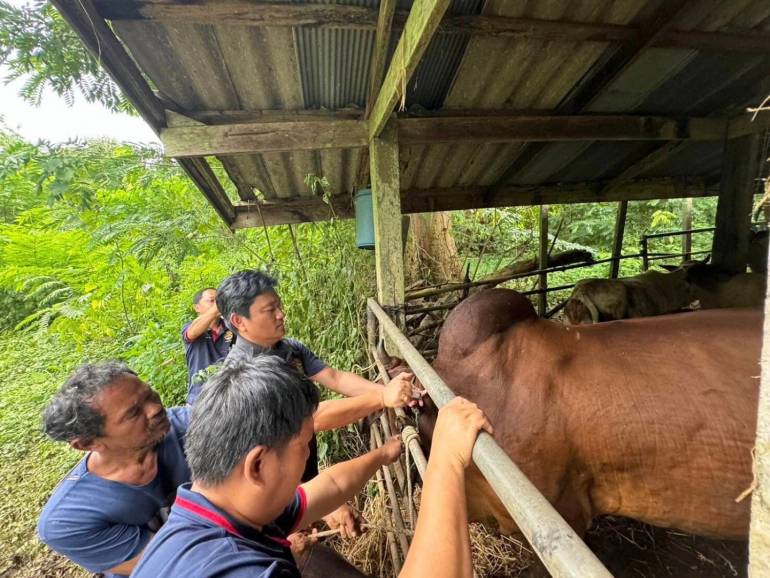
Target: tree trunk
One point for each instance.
(431, 253)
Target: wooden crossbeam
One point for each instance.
(304, 209)
(292, 210)
(463, 198)
(557, 128)
(226, 139)
(238, 12)
(420, 27)
(190, 140)
(102, 43)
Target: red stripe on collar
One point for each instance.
(212, 517)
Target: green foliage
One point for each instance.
(36, 44)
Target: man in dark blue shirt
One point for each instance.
(247, 446)
(103, 514)
(206, 340)
(251, 307)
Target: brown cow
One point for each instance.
(644, 295)
(714, 288)
(652, 418)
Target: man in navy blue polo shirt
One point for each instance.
(247, 446)
(206, 340)
(103, 514)
(248, 302)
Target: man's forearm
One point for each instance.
(351, 384)
(339, 483)
(336, 413)
(441, 538)
(201, 324)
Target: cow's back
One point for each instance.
(651, 418)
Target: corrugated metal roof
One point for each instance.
(246, 68)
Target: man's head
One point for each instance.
(204, 299)
(106, 407)
(250, 429)
(250, 305)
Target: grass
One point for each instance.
(30, 465)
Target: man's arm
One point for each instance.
(202, 323)
(336, 485)
(441, 537)
(335, 413)
(344, 382)
(128, 566)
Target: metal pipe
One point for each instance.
(561, 550)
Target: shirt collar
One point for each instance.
(193, 503)
(281, 349)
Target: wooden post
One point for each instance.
(542, 298)
(740, 167)
(687, 226)
(617, 239)
(759, 535)
(645, 254)
(386, 204)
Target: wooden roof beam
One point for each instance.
(241, 13)
(102, 43)
(421, 25)
(463, 198)
(307, 209)
(197, 140)
(292, 210)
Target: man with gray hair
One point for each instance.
(247, 446)
(103, 514)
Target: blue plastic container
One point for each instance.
(364, 219)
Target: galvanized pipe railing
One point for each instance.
(557, 545)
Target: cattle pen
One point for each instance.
(440, 105)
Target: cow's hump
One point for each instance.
(482, 315)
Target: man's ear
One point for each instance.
(254, 466)
(85, 445)
(236, 321)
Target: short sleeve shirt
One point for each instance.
(302, 359)
(202, 540)
(99, 523)
(208, 349)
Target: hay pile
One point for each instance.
(494, 555)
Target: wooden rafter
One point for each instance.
(292, 210)
(99, 39)
(243, 13)
(585, 92)
(380, 52)
(420, 27)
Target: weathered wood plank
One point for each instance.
(422, 23)
(263, 137)
(458, 199)
(386, 203)
(740, 168)
(557, 128)
(542, 299)
(617, 238)
(293, 210)
(195, 139)
(380, 52)
(239, 12)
